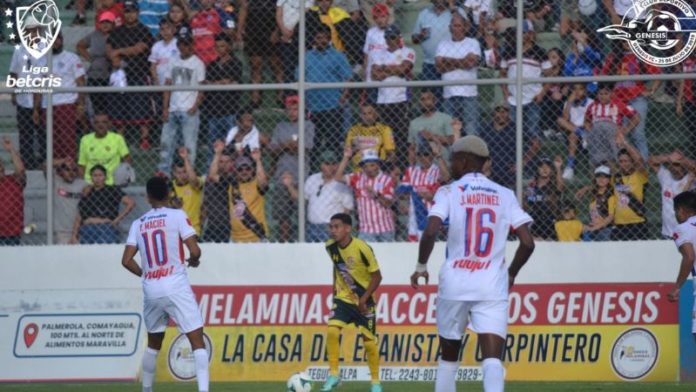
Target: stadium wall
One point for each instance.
(578, 312)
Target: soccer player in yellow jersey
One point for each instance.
(356, 277)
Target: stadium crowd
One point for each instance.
(386, 163)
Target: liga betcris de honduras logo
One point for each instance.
(659, 32)
(38, 26)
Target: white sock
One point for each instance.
(149, 364)
(493, 375)
(202, 375)
(446, 373)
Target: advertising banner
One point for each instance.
(585, 332)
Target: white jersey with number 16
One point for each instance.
(159, 236)
(480, 214)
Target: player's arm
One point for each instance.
(347, 154)
(128, 262)
(194, 259)
(425, 248)
(524, 251)
(687, 264)
(375, 280)
(129, 204)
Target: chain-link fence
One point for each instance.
(211, 95)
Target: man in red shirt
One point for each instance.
(11, 198)
(205, 25)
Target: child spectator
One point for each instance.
(374, 39)
(542, 198)
(604, 121)
(163, 52)
(245, 136)
(573, 122)
(179, 16)
(569, 228)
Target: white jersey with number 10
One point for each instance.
(686, 234)
(480, 214)
(159, 236)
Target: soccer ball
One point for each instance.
(299, 382)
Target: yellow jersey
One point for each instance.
(191, 201)
(245, 199)
(625, 207)
(353, 268)
(333, 16)
(378, 137)
(568, 230)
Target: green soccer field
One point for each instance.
(353, 387)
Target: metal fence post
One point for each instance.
(518, 103)
(49, 158)
(302, 157)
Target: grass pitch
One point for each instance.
(353, 387)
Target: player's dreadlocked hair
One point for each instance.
(686, 200)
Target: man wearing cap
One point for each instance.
(533, 62)
(385, 7)
(457, 58)
(67, 107)
(180, 108)
(248, 200)
(374, 39)
(102, 147)
(92, 48)
(474, 283)
(28, 105)
(675, 172)
(128, 47)
(67, 192)
(500, 136)
(284, 148)
(374, 195)
(325, 197)
(394, 64)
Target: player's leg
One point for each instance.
(156, 320)
(333, 352)
(200, 355)
(452, 318)
(367, 325)
(184, 309)
(489, 320)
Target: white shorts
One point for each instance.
(181, 306)
(453, 317)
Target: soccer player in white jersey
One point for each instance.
(160, 236)
(685, 238)
(474, 283)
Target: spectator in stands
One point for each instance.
(216, 197)
(554, 93)
(245, 136)
(68, 188)
(284, 148)
(604, 121)
(431, 28)
(11, 197)
(374, 194)
(685, 101)
(572, 121)
(622, 61)
(570, 17)
(187, 189)
(325, 197)
(532, 65)
(675, 173)
(220, 107)
(113, 6)
(151, 12)
(431, 127)
(353, 32)
(32, 137)
(480, 11)
(457, 58)
(287, 17)
(102, 147)
(180, 108)
(629, 187)
(394, 64)
(67, 107)
(179, 16)
(98, 212)
(206, 24)
(386, 9)
(602, 207)
(500, 135)
(618, 9)
(371, 135)
(336, 18)
(128, 48)
(256, 29)
(569, 228)
(248, 200)
(374, 38)
(163, 52)
(92, 49)
(420, 182)
(324, 64)
(584, 56)
(543, 196)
